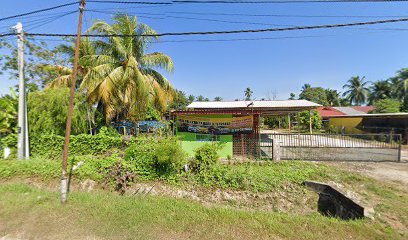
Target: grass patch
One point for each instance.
(249, 177)
(33, 212)
(256, 178)
(35, 167)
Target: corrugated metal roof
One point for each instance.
(365, 109)
(349, 110)
(253, 104)
(401, 114)
(329, 111)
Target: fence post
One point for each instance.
(276, 150)
(399, 148)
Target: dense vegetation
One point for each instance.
(358, 91)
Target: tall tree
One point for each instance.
(248, 94)
(356, 90)
(218, 99)
(191, 98)
(333, 97)
(37, 56)
(200, 98)
(121, 75)
(306, 86)
(315, 94)
(180, 101)
(292, 96)
(380, 90)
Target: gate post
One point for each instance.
(276, 150)
(399, 148)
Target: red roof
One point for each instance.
(328, 112)
(365, 109)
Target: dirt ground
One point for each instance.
(383, 171)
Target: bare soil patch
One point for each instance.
(396, 173)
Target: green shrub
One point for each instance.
(94, 168)
(169, 156)
(51, 145)
(258, 178)
(9, 141)
(205, 157)
(155, 158)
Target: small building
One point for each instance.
(396, 123)
(327, 112)
(234, 124)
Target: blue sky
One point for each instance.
(277, 66)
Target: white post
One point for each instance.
(27, 141)
(21, 145)
(276, 150)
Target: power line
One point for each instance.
(289, 15)
(49, 20)
(130, 2)
(38, 11)
(296, 28)
(241, 2)
(283, 1)
(139, 15)
(226, 21)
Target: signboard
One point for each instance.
(214, 125)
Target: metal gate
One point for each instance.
(325, 147)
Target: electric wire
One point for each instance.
(285, 15)
(327, 26)
(38, 11)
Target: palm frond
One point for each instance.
(157, 60)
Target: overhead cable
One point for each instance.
(38, 11)
(296, 28)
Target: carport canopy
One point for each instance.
(264, 108)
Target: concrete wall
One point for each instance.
(190, 144)
(349, 123)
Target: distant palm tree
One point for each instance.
(292, 96)
(357, 90)
(248, 94)
(191, 98)
(380, 90)
(306, 86)
(200, 98)
(218, 99)
(333, 97)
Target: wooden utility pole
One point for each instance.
(64, 178)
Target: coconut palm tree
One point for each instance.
(200, 98)
(333, 97)
(380, 90)
(306, 86)
(64, 72)
(356, 90)
(121, 75)
(248, 94)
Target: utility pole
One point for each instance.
(64, 177)
(22, 114)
